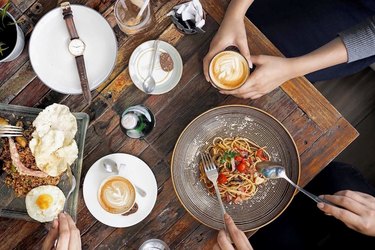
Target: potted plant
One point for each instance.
(12, 39)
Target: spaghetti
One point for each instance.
(235, 158)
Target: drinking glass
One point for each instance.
(126, 14)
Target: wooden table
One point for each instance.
(313, 122)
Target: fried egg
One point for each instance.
(45, 202)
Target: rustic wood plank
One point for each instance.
(8, 69)
(37, 88)
(180, 230)
(303, 130)
(16, 83)
(323, 152)
(202, 238)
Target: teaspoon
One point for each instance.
(149, 83)
(111, 167)
(272, 170)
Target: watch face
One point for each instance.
(76, 47)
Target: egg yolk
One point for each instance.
(44, 201)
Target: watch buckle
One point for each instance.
(65, 5)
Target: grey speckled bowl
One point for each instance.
(272, 197)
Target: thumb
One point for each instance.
(244, 49)
(51, 237)
(257, 59)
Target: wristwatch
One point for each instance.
(76, 48)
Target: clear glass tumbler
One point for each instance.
(128, 18)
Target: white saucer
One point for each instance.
(139, 64)
(137, 172)
(51, 59)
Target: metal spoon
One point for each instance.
(274, 170)
(72, 187)
(111, 167)
(149, 83)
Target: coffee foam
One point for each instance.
(116, 195)
(228, 70)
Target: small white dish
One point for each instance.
(138, 172)
(140, 61)
(51, 59)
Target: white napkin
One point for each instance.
(192, 10)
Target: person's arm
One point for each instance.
(328, 55)
(232, 32)
(240, 241)
(356, 210)
(360, 40)
(353, 44)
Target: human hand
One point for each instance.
(232, 32)
(270, 73)
(240, 241)
(65, 232)
(357, 210)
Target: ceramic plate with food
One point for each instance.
(34, 180)
(237, 137)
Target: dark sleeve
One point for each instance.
(360, 40)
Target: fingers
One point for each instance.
(239, 238)
(365, 199)
(214, 49)
(248, 90)
(223, 241)
(51, 237)
(244, 50)
(206, 62)
(64, 232)
(75, 237)
(346, 201)
(216, 247)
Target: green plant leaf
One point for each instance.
(2, 49)
(3, 13)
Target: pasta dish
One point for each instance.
(235, 158)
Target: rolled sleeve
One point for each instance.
(360, 40)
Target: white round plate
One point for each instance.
(140, 61)
(137, 172)
(51, 59)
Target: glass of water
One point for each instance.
(133, 16)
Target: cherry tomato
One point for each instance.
(241, 167)
(238, 158)
(261, 155)
(222, 179)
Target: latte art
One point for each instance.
(228, 70)
(116, 195)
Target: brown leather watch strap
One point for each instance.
(83, 77)
(68, 17)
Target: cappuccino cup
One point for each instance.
(228, 70)
(116, 194)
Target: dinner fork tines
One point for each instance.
(10, 131)
(212, 174)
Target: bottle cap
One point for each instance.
(129, 121)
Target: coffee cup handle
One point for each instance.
(121, 169)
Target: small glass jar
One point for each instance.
(137, 121)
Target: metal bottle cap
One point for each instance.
(153, 244)
(129, 121)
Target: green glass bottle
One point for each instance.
(137, 121)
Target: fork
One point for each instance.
(10, 131)
(73, 182)
(212, 174)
